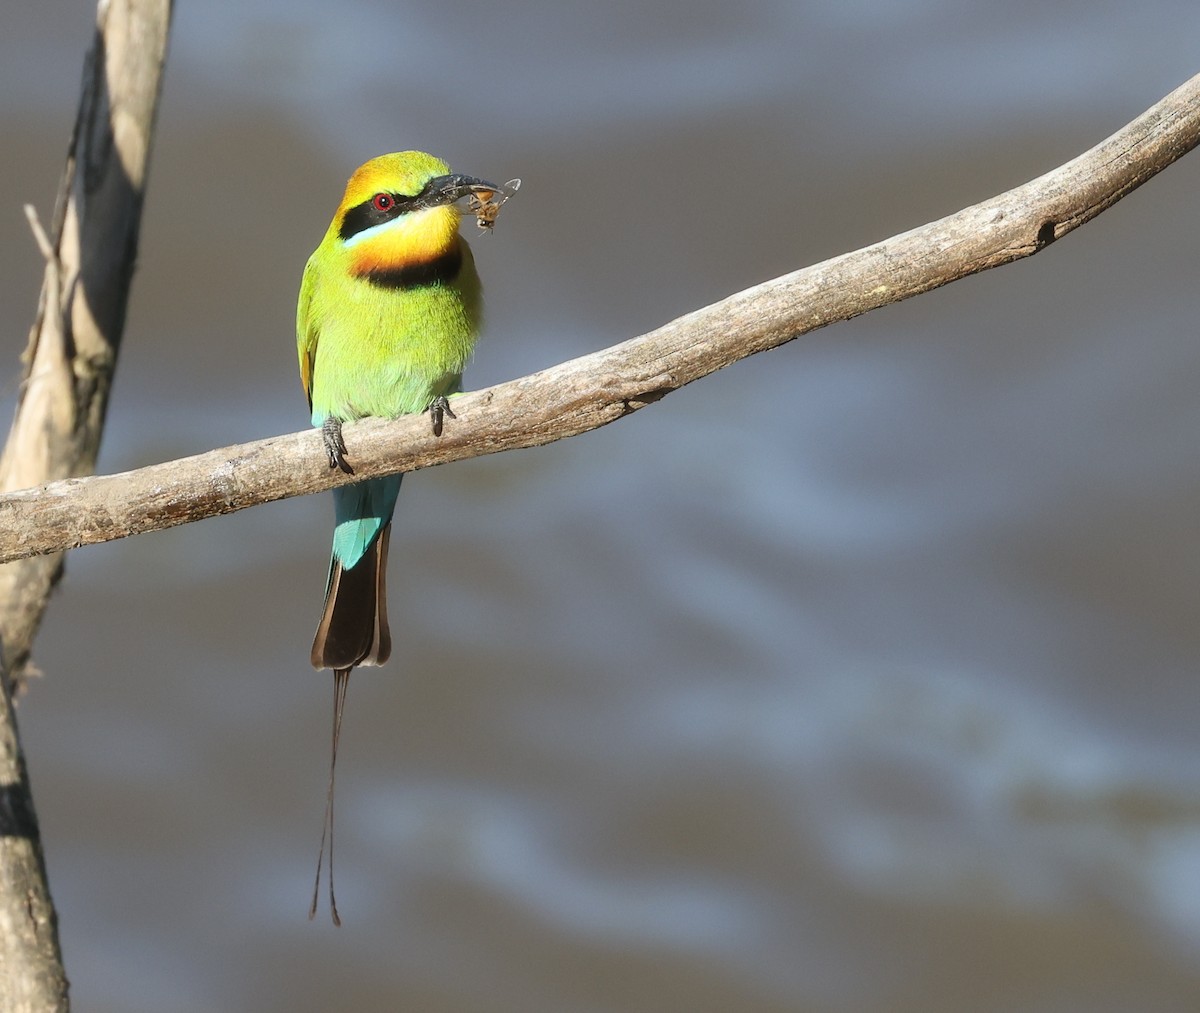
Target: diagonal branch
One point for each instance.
(586, 393)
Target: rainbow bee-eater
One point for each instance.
(388, 315)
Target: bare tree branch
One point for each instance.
(56, 433)
(591, 391)
(74, 342)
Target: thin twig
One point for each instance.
(39, 234)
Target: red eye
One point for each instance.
(382, 202)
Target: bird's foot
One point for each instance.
(335, 446)
(438, 407)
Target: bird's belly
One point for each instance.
(382, 392)
(386, 374)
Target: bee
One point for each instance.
(485, 205)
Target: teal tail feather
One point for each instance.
(354, 628)
(362, 510)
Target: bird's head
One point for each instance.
(399, 211)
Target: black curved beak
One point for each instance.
(454, 187)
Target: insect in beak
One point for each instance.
(486, 201)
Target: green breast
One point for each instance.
(387, 350)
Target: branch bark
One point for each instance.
(69, 365)
(586, 393)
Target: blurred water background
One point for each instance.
(861, 676)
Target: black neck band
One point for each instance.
(439, 271)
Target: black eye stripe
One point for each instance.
(366, 215)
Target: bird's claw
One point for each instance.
(438, 407)
(335, 446)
